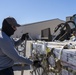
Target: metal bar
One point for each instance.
(22, 72)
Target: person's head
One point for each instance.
(9, 25)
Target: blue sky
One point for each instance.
(30, 11)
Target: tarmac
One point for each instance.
(18, 70)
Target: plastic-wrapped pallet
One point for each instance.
(66, 56)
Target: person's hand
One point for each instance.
(24, 36)
(37, 63)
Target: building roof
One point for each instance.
(43, 21)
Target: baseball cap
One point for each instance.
(12, 21)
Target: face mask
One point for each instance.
(7, 28)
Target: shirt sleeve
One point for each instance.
(9, 50)
(17, 43)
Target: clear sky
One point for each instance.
(30, 11)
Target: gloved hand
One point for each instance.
(24, 36)
(37, 63)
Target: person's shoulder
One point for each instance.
(4, 39)
(3, 36)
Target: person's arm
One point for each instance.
(9, 50)
(18, 42)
